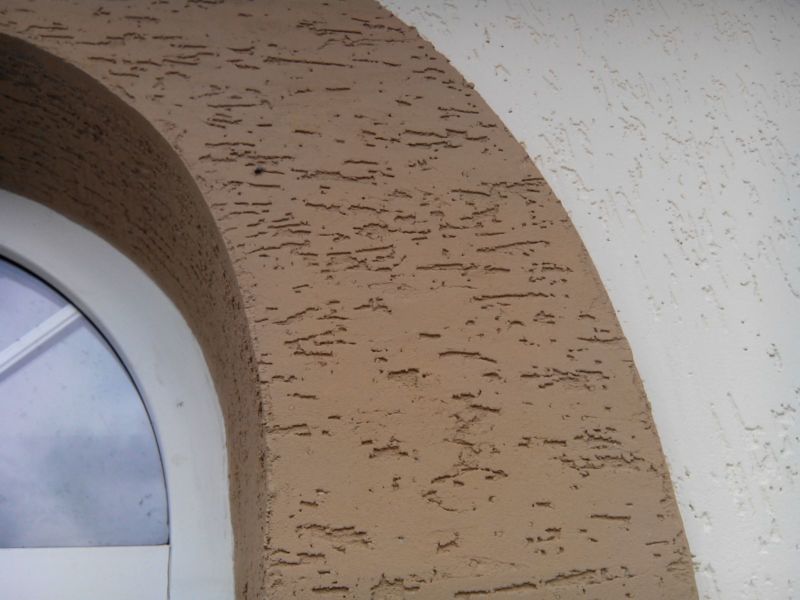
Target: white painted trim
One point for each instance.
(157, 346)
(121, 573)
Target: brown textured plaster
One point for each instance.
(444, 403)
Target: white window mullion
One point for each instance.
(36, 337)
(94, 573)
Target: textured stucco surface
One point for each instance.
(671, 133)
(448, 407)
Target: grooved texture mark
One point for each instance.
(449, 408)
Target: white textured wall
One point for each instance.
(671, 132)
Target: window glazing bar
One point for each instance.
(36, 337)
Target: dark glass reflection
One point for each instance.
(79, 464)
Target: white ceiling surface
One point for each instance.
(671, 133)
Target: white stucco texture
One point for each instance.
(671, 133)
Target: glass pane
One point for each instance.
(79, 465)
(24, 303)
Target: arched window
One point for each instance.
(113, 469)
(79, 463)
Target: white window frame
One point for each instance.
(166, 362)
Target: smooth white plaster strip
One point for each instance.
(671, 133)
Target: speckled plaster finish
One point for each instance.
(670, 131)
(447, 405)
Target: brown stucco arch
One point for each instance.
(427, 393)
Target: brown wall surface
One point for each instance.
(427, 394)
